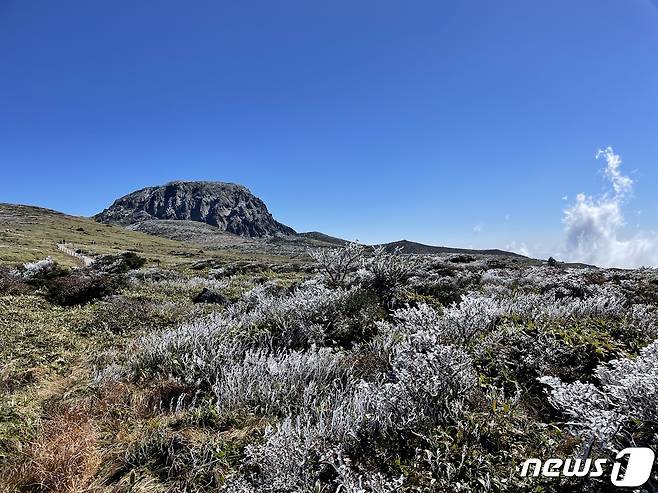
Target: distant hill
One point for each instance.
(227, 206)
(316, 235)
(419, 248)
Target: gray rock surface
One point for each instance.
(227, 206)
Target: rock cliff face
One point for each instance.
(228, 206)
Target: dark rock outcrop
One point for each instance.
(227, 206)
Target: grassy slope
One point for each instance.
(31, 233)
(209, 237)
(44, 346)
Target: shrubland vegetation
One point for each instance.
(361, 371)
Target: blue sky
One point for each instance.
(455, 123)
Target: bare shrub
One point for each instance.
(336, 263)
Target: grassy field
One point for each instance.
(48, 352)
(31, 233)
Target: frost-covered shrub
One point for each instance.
(444, 289)
(603, 303)
(425, 390)
(191, 284)
(157, 285)
(335, 264)
(499, 277)
(38, 273)
(329, 417)
(118, 264)
(427, 379)
(279, 384)
(289, 460)
(387, 271)
(512, 358)
(296, 457)
(351, 479)
(532, 306)
(541, 278)
(190, 353)
(41, 269)
(412, 320)
(428, 387)
(458, 324)
(621, 407)
(297, 319)
(311, 314)
(472, 317)
(151, 275)
(641, 322)
(446, 392)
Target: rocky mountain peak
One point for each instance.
(227, 206)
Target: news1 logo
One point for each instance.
(639, 464)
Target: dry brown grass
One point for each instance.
(117, 400)
(68, 454)
(63, 458)
(12, 378)
(85, 438)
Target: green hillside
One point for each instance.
(30, 233)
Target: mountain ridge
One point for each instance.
(219, 215)
(407, 246)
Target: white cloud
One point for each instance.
(478, 228)
(593, 225)
(520, 248)
(622, 184)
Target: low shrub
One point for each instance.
(36, 273)
(385, 273)
(11, 284)
(209, 296)
(622, 410)
(362, 393)
(82, 287)
(118, 264)
(121, 315)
